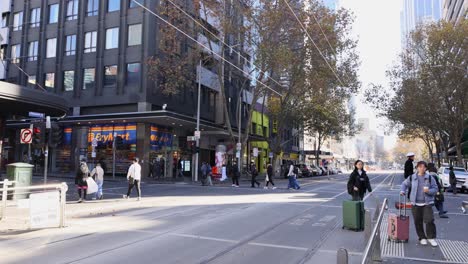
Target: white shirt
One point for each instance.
(134, 171)
(360, 172)
(99, 172)
(291, 170)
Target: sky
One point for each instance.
(377, 28)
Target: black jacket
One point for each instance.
(270, 171)
(360, 181)
(452, 178)
(409, 168)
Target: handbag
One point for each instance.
(439, 197)
(92, 186)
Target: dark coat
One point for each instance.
(270, 171)
(409, 168)
(80, 178)
(234, 171)
(452, 178)
(360, 181)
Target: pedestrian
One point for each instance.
(103, 165)
(208, 174)
(439, 197)
(422, 189)
(269, 177)
(409, 166)
(134, 179)
(204, 173)
(151, 166)
(292, 177)
(452, 180)
(82, 174)
(254, 174)
(235, 175)
(358, 182)
(98, 174)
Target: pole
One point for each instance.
(239, 137)
(46, 162)
(31, 127)
(198, 123)
(113, 157)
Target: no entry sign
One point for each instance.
(26, 136)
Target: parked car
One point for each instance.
(324, 171)
(315, 170)
(460, 173)
(304, 170)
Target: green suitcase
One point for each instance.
(353, 215)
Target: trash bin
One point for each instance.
(21, 174)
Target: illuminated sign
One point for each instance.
(104, 134)
(160, 138)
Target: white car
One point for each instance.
(460, 173)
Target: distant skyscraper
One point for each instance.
(455, 10)
(415, 12)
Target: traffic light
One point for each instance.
(55, 135)
(39, 135)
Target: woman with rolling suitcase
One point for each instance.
(358, 182)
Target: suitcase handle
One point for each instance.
(404, 206)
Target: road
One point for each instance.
(193, 224)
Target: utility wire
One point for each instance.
(313, 42)
(323, 33)
(19, 68)
(204, 46)
(218, 38)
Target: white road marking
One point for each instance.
(278, 246)
(205, 238)
(327, 218)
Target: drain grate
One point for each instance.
(389, 248)
(454, 251)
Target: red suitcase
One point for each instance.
(398, 225)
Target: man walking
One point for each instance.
(254, 174)
(98, 174)
(269, 177)
(235, 175)
(422, 188)
(453, 180)
(134, 179)
(409, 166)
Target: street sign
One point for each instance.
(44, 209)
(94, 142)
(239, 146)
(36, 114)
(190, 138)
(197, 134)
(26, 136)
(93, 154)
(255, 152)
(270, 155)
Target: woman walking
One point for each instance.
(80, 180)
(269, 177)
(358, 182)
(254, 174)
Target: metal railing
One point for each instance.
(11, 192)
(372, 251)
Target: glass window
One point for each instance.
(53, 13)
(51, 48)
(18, 21)
(35, 17)
(89, 76)
(32, 81)
(133, 73)
(134, 35)
(93, 8)
(112, 38)
(90, 41)
(49, 80)
(70, 45)
(68, 79)
(15, 53)
(4, 20)
(72, 9)
(33, 50)
(110, 75)
(132, 3)
(113, 5)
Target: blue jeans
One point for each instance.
(99, 192)
(293, 183)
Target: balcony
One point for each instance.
(4, 34)
(208, 78)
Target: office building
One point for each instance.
(415, 12)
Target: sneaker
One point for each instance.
(125, 197)
(237, 186)
(463, 209)
(233, 185)
(423, 242)
(274, 188)
(265, 188)
(94, 198)
(101, 197)
(443, 216)
(432, 242)
(80, 200)
(139, 198)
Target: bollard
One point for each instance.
(4, 198)
(342, 256)
(367, 225)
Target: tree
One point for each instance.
(429, 88)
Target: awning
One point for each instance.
(259, 144)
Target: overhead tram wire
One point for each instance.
(204, 46)
(21, 69)
(313, 42)
(323, 33)
(218, 38)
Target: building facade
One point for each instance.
(454, 10)
(94, 54)
(417, 12)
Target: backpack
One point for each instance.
(295, 170)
